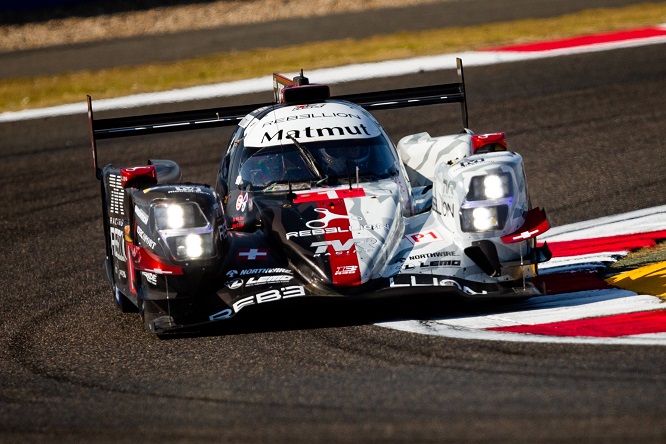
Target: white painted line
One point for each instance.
(571, 307)
(341, 74)
(428, 328)
(640, 221)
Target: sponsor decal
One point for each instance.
(252, 271)
(328, 216)
(346, 269)
(431, 264)
(241, 202)
(259, 298)
(265, 271)
(118, 243)
(428, 255)
(435, 254)
(143, 217)
(466, 163)
(264, 280)
(447, 192)
(237, 222)
(117, 195)
(234, 284)
(306, 233)
(422, 281)
(429, 281)
(334, 230)
(224, 314)
(425, 237)
(309, 133)
(446, 209)
(305, 116)
(151, 278)
(187, 189)
(310, 105)
(144, 237)
(339, 248)
(252, 254)
(449, 187)
(118, 222)
(270, 296)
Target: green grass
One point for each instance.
(36, 92)
(640, 258)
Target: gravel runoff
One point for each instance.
(162, 20)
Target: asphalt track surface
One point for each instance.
(74, 368)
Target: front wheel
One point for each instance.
(123, 302)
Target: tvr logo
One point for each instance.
(343, 248)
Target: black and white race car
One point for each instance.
(313, 199)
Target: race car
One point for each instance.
(314, 200)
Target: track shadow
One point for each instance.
(307, 314)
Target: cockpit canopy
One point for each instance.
(329, 162)
(328, 143)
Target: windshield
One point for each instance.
(264, 168)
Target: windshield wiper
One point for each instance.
(310, 161)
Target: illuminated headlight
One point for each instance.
(185, 229)
(490, 186)
(192, 246)
(484, 218)
(175, 216)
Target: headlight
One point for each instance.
(484, 218)
(175, 216)
(192, 246)
(185, 229)
(490, 186)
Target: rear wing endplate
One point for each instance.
(232, 115)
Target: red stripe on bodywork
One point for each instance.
(536, 223)
(586, 40)
(144, 260)
(129, 248)
(604, 327)
(345, 270)
(610, 244)
(317, 196)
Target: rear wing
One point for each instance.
(300, 91)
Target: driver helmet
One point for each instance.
(337, 157)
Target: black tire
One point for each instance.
(123, 302)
